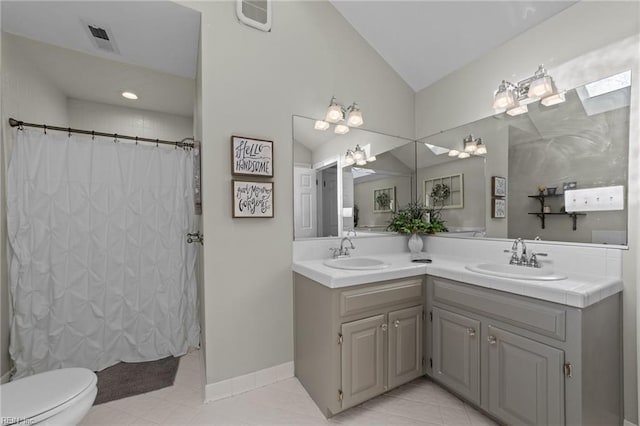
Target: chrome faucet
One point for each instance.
(343, 251)
(522, 259)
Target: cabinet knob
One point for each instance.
(471, 332)
(384, 327)
(396, 323)
(492, 340)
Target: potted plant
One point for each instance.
(414, 219)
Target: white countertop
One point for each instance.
(577, 290)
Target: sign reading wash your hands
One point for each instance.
(252, 199)
(251, 157)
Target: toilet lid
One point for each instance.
(34, 395)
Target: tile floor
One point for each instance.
(420, 402)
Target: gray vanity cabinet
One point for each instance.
(362, 359)
(352, 344)
(456, 353)
(526, 361)
(405, 345)
(526, 380)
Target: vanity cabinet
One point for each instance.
(523, 360)
(352, 344)
(456, 352)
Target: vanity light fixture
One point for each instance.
(471, 146)
(336, 114)
(357, 156)
(514, 97)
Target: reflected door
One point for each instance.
(304, 199)
(330, 202)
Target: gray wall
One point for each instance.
(252, 82)
(587, 41)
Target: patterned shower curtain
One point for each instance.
(98, 264)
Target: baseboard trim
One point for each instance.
(628, 423)
(247, 382)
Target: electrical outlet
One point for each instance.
(594, 199)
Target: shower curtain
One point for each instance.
(99, 268)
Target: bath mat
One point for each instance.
(133, 378)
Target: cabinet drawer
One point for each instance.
(363, 299)
(536, 317)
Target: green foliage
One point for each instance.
(410, 219)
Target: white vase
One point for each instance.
(415, 244)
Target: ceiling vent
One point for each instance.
(255, 13)
(101, 36)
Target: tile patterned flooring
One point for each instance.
(420, 402)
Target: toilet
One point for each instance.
(58, 397)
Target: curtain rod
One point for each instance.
(182, 144)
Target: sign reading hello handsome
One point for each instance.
(251, 157)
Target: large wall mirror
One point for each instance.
(533, 158)
(332, 197)
(580, 143)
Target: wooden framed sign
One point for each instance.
(252, 199)
(251, 157)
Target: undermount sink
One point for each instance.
(515, 272)
(356, 263)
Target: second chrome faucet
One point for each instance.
(522, 258)
(343, 251)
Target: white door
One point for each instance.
(304, 201)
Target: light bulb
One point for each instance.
(341, 129)
(334, 113)
(348, 158)
(355, 116)
(129, 95)
(454, 153)
(481, 148)
(371, 159)
(470, 147)
(358, 153)
(504, 97)
(361, 162)
(541, 87)
(554, 99)
(464, 155)
(321, 125)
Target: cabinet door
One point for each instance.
(362, 359)
(526, 381)
(405, 345)
(456, 353)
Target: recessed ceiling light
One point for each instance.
(129, 95)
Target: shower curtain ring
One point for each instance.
(136, 140)
(176, 145)
(93, 135)
(157, 140)
(20, 125)
(115, 138)
(44, 126)
(69, 131)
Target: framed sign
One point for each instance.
(251, 157)
(498, 208)
(252, 199)
(498, 186)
